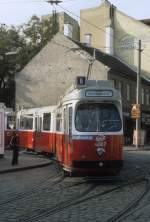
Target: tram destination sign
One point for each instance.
(99, 93)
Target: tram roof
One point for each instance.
(93, 90)
(38, 110)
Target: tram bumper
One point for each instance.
(113, 166)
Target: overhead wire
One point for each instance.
(95, 26)
(21, 2)
(70, 12)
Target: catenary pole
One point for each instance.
(138, 96)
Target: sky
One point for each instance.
(17, 12)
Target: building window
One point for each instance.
(120, 85)
(142, 99)
(68, 30)
(147, 98)
(128, 91)
(88, 39)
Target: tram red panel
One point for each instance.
(87, 150)
(60, 146)
(26, 139)
(45, 141)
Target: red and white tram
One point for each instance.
(89, 130)
(84, 131)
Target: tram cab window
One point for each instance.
(46, 121)
(97, 118)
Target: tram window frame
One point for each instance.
(65, 120)
(59, 122)
(46, 121)
(70, 119)
(36, 123)
(25, 123)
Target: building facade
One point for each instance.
(52, 71)
(66, 24)
(117, 34)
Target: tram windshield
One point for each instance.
(97, 118)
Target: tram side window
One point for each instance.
(46, 121)
(26, 122)
(59, 122)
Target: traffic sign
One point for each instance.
(136, 111)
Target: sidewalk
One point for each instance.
(134, 148)
(26, 161)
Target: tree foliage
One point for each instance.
(25, 41)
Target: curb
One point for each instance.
(25, 168)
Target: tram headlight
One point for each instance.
(100, 151)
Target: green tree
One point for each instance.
(26, 40)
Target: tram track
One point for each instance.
(50, 186)
(75, 200)
(133, 204)
(42, 213)
(48, 181)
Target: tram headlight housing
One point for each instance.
(100, 151)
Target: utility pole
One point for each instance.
(54, 18)
(138, 96)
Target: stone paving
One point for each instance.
(43, 196)
(27, 161)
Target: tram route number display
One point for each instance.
(136, 111)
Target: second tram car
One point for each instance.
(36, 128)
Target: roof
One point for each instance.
(112, 62)
(145, 21)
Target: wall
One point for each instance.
(94, 21)
(64, 18)
(45, 79)
(127, 31)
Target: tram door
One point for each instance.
(67, 133)
(38, 124)
(1, 132)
